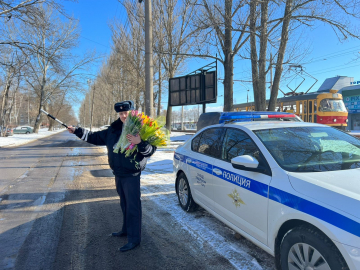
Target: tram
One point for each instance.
(325, 108)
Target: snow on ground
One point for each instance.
(158, 184)
(19, 139)
(180, 136)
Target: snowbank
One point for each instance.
(19, 139)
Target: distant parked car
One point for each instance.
(23, 130)
(104, 127)
(8, 131)
(179, 128)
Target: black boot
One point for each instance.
(129, 246)
(119, 234)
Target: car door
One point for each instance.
(241, 196)
(205, 147)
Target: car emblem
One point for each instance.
(237, 201)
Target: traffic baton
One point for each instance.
(57, 120)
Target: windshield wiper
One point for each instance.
(307, 170)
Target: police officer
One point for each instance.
(126, 170)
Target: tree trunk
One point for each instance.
(51, 125)
(254, 56)
(41, 106)
(159, 99)
(229, 60)
(169, 108)
(4, 105)
(38, 119)
(262, 56)
(281, 55)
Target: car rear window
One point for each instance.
(210, 142)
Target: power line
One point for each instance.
(329, 54)
(334, 54)
(331, 57)
(95, 42)
(357, 65)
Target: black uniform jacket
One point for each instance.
(121, 165)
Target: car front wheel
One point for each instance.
(305, 247)
(184, 194)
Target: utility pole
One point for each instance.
(89, 84)
(28, 112)
(149, 95)
(182, 117)
(92, 109)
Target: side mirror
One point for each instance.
(245, 161)
(249, 163)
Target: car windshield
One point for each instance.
(294, 119)
(311, 149)
(332, 105)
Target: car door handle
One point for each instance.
(217, 171)
(188, 160)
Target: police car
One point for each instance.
(292, 188)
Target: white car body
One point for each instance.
(257, 205)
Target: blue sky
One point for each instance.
(328, 57)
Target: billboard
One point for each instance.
(193, 89)
(352, 104)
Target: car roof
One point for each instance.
(254, 125)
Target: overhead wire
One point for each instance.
(357, 65)
(334, 54)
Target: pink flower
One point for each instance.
(132, 113)
(131, 146)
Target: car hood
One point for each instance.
(340, 189)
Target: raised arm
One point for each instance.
(96, 138)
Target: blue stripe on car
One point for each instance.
(313, 209)
(277, 195)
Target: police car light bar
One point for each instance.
(278, 115)
(247, 116)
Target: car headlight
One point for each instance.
(347, 120)
(334, 120)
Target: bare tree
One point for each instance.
(286, 18)
(175, 37)
(224, 30)
(12, 67)
(12, 8)
(52, 66)
(14, 12)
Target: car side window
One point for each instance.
(195, 143)
(210, 142)
(238, 143)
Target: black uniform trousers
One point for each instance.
(128, 188)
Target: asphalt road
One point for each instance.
(58, 206)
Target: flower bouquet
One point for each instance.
(148, 129)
